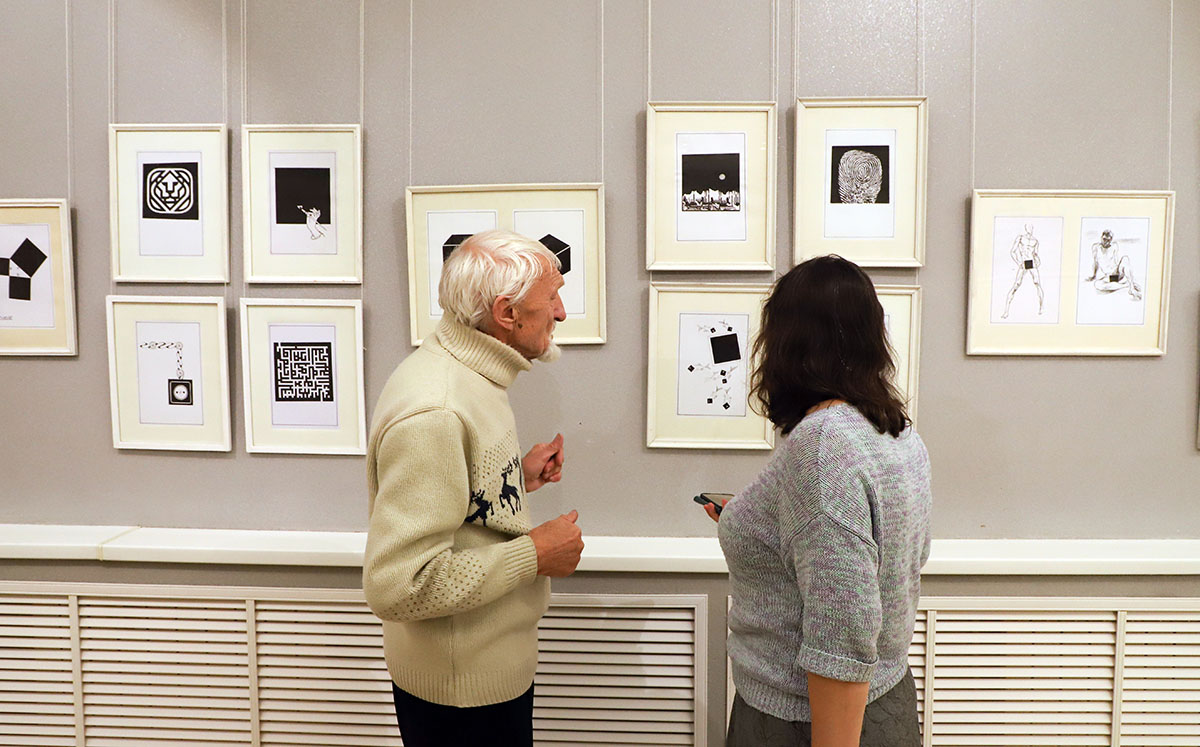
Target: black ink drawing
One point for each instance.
(171, 191)
(560, 249)
(712, 181)
(303, 372)
(179, 390)
(451, 243)
(26, 259)
(1024, 254)
(1111, 269)
(860, 174)
(302, 195)
(509, 495)
(726, 353)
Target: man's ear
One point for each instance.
(503, 314)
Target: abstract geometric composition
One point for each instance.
(179, 391)
(171, 190)
(27, 258)
(304, 372)
(560, 249)
(452, 243)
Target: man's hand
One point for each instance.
(543, 464)
(559, 543)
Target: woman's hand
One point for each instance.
(711, 509)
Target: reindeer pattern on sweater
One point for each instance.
(498, 490)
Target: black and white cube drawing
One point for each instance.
(861, 174)
(27, 258)
(179, 391)
(711, 182)
(301, 190)
(303, 371)
(560, 249)
(171, 191)
(452, 243)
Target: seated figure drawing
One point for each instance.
(1111, 269)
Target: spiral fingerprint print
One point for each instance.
(860, 175)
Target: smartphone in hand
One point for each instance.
(716, 499)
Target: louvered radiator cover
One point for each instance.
(98, 665)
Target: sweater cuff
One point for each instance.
(521, 562)
(834, 667)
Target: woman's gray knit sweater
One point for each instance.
(825, 551)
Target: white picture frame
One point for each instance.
(1045, 280)
(902, 320)
(697, 218)
(168, 203)
(694, 399)
(861, 180)
(302, 376)
(37, 282)
(302, 203)
(438, 216)
(168, 373)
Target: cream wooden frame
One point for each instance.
(335, 268)
(62, 339)
(205, 269)
(313, 445)
(660, 255)
(591, 329)
(173, 436)
(907, 250)
(1067, 337)
(760, 434)
(908, 356)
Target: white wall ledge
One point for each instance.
(1035, 557)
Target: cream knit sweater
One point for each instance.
(449, 565)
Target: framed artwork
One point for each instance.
(302, 203)
(1069, 272)
(710, 186)
(168, 373)
(37, 283)
(860, 180)
(902, 319)
(302, 375)
(567, 218)
(168, 213)
(700, 362)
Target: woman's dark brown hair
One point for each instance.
(823, 337)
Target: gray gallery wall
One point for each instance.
(1099, 94)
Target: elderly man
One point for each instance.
(452, 565)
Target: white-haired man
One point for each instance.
(452, 566)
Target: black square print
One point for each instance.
(725, 348)
(298, 190)
(28, 257)
(20, 289)
(860, 174)
(171, 191)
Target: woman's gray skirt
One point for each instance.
(889, 721)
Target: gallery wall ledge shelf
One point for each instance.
(236, 547)
(56, 542)
(949, 557)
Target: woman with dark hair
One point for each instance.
(825, 548)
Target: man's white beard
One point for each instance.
(553, 353)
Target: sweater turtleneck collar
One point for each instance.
(480, 352)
